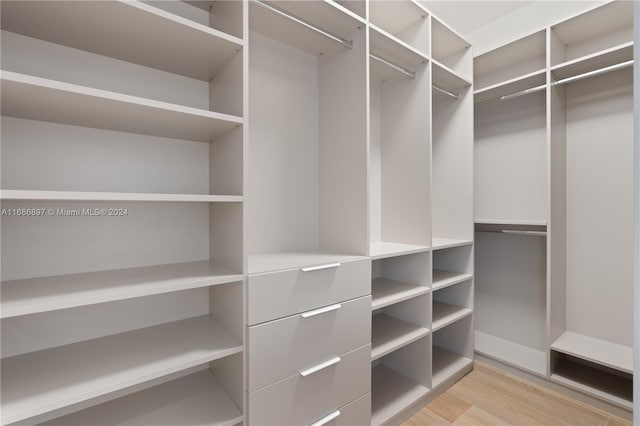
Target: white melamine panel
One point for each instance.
(600, 207)
(509, 87)
(197, 11)
(439, 243)
(405, 19)
(357, 412)
(445, 314)
(443, 279)
(359, 7)
(46, 330)
(384, 249)
(376, 246)
(390, 334)
(193, 400)
(280, 348)
(305, 399)
(28, 195)
(386, 292)
(271, 262)
(147, 235)
(131, 31)
(449, 48)
(605, 353)
(44, 381)
(595, 61)
(390, 48)
(284, 172)
(510, 283)
(447, 79)
(456, 338)
(508, 352)
(392, 393)
(446, 364)
(510, 151)
(23, 297)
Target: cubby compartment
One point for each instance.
(398, 325)
(452, 353)
(308, 177)
(451, 304)
(450, 51)
(399, 278)
(51, 366)
(452, 266)
(404, 20)
(399, 380)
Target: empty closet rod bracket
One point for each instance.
(446, 92)
(300, 21)
(398, 68)
(594, 72)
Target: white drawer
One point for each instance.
(355, 413)
(279, 294)
(280, 348)
(302, 400)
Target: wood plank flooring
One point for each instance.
(491, 397)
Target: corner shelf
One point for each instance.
(28, 195)
(194, 399)
(128, 30)
(391, 393)
(389, 334)
(443, 279)
(48, 380)
(439, 243)
(35, 98)
(612, 355)
(524, 357)
(384, 249)
(446, 364)
(36, 295)
(387, 292)
(445, 314)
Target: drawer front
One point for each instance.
(302, 400)
(356, 413)
(281, 348)
(280, 294)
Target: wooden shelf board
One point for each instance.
(391, 393)
(196, 399)
(605, 58)
(445, 314)
(279, 261)
(511, 353)
(384, 249)
(389, 334)
(442, 279)
(445, 78)
(598, 351)
(128, 30)
(508, 87)
(395, 16)
(35, 98)
(52, 379)
(446, 364)
(592, 382)
(438, 243)
(35, 295)
(387, 292)
(394, 50)
(28, 195)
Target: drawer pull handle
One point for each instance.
(318, 267)
(321, 311)
(308, 371)
(326, 419)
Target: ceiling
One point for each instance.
(466, 16)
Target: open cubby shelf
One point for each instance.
(387, 292)
(389, 334)
(391, 393)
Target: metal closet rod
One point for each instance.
(516, 232)
(300, 21)
(446, 92)
(563, 81)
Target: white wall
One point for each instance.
(636, 85)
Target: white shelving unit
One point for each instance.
(122, 122)
(544, 108)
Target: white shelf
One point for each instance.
(520, 356)
(395, 16)
(48, 380)
(445, 314)
(443, 243)
(515, 222)
(27, 195)
(445, 78)
(30, 296)
(445, 41)
(268, 262)
(612, 56)
(598, 351)
(391, 393)
(442, 279)
(384, 249)
(389, 334)
(128, 30)
(196, 399)
(446, 364)
(386, 292)
(511, 86)
(36, 98)
(394, 50)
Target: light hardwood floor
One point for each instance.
(491, 397)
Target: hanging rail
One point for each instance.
(559, 82)
(398, 68)
(446, 92)
(300, 21)
(514, 232)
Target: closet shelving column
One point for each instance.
(399, 213)
(590, 58)
(309, 284)
(511, 202)
(123, 313)
(451, 204)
